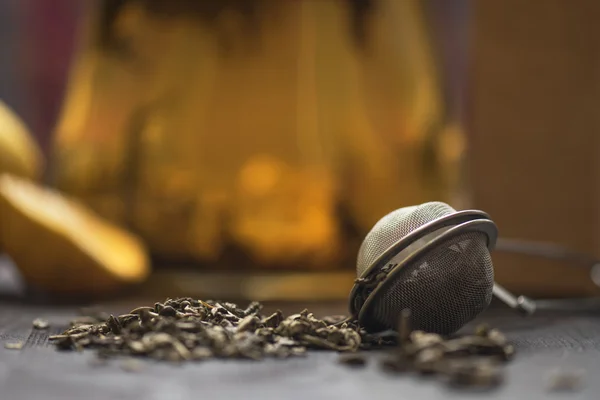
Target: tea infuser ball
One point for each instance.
(428, 258)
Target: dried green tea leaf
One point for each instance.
(353, 359)
(39, 323)
(14, 345)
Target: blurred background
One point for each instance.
(251, 144)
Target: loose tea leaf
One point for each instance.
(14, 345)
(39, 323)
(481, 373)
(429, 360)
(396, 364)
(354, 360)
(404, 328)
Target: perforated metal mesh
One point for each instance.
(444, 289)
(393, 227)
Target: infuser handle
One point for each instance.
(522, 304)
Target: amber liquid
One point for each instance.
(264, 135)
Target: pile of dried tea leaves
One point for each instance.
(187, 329)
(465, 361)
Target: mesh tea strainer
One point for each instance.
(430, 259)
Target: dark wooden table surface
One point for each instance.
(544, 342)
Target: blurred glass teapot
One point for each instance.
(282, 129)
